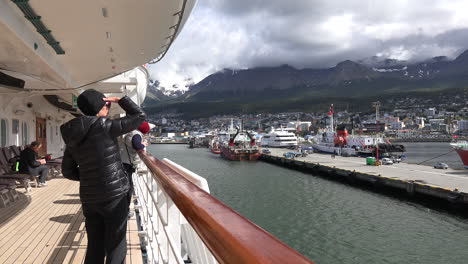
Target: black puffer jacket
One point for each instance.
(92, 153)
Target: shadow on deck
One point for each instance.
(70, 244)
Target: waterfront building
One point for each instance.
(374, 127)
(463, 125)
(438, 124)
(397, 125)
(420, 122)
(407, 133)
(431, 111)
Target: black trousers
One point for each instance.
(106, 226)
(130, 170)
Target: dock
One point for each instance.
(449, 185)
(46, 225)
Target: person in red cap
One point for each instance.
(130, 144)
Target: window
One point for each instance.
(51, 133)
(15, 126)
(3, 133)
(24, 134)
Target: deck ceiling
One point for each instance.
(101, 38)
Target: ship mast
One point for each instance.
(377, 106)
(231, 128)
(331, 118)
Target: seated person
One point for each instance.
(29, 163)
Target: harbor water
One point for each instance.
(328, 222)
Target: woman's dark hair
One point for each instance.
(35, 144)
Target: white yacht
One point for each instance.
(279, 138)
(50, 52)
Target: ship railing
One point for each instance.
(180, 220)
(166, 235)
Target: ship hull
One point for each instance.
(334, 150)
(239, 155)
(463, 153)
(215, 151)
(279, 146)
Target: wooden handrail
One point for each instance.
(230, 237)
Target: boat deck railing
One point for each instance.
(182, 221)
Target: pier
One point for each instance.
(425, 181)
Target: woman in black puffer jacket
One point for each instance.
(92, 157)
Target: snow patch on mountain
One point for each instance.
(175, 89)
(390, 70)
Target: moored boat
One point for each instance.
(279, 138)
(215, 146)
(339, 142)
(241, 147)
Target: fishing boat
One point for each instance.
(215, 145)
(241, 147)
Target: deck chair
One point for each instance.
(4, 198)
(10, 155)
(16, 150)
(7, 173)
(8, 192)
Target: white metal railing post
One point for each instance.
(173, 227)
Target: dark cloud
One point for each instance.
(311, 33)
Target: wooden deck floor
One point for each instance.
(47, 226)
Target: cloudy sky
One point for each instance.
(310, 33)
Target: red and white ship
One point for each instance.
(341, 143)
(462, 149)
(241, 147)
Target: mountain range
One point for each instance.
(370, 77)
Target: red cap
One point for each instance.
(144, 127)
